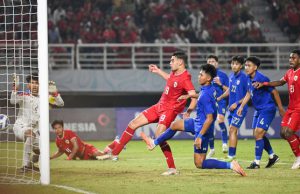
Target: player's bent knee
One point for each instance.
(233, 130)
(36, 151)
(286, 132)
(198, 164)
(35, 158)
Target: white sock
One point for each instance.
(27, 151)
(271, 155)
(257, 161)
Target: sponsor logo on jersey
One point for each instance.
(296, 78)
(175, 84)
(238, 82)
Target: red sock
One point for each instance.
(125, 138)
(294, 143)
(165, 148)
(112, 145)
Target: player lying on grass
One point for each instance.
(69, 143)
(178, 83)
(202, 126)
(236, 92)
(291, 121)
(265, 110)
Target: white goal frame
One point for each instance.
(43, 89)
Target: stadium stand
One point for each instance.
(287, 15)
(151, 21)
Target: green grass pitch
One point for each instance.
(138, 171)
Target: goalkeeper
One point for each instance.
(26, 127)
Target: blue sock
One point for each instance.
(223, 132)
(231, 151)
(267, 146)
(212, 163)
(212, 143)
(168, 134)
(259, 147)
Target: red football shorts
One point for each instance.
(161, 117)
(291, 120)
(89, 152)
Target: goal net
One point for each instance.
(20, 161)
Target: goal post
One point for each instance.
(23, 51)
(44, 100)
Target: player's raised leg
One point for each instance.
(127, 135)
(161, 140)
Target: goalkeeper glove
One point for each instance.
(52, 89)
(16, 82)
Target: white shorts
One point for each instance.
(19, 130)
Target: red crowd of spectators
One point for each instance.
(151, 21)
(287, 15)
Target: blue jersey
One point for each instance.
(206, 104)
(224, 80)
(262, 97)
(237, 88)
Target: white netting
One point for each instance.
(18, 55)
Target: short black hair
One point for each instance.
(210, 70)
(57, 122)
(34, 76)
(239, 59)
(296, 51)
(213, 57)
(255, 60)
(181, 55)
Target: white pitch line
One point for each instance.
(72, 189)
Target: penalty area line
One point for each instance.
(72, 189)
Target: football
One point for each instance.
(4, 122)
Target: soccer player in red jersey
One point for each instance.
(165, 111)
(291, 121)
(69, 143)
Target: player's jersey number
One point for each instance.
(167, 90)
(233, 89)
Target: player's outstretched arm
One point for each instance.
(278, 102)
(14, 98)
(57, 154)
(192, 105)
(54, 96)
(208, 121)
(224, 95)
(74, 150)
(245, 101)
(154, 69)
(272, 83)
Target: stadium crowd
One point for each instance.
(152, 21)
(287, 15)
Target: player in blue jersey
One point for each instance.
(202, 126)
(265, 111)
(220, 82)
(236, 92)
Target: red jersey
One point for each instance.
(293, 80)
(64, 144)
(177, 85)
